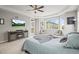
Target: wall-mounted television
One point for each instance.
(70, 20)
(17, 22)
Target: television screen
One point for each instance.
(70, 20)
(16, 22)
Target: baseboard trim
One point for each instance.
(3, 41)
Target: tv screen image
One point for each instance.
(70, 20)
(18, 22)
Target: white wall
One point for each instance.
(8, 26)
(69, 27)
(78, 20)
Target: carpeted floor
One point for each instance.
(13, 47)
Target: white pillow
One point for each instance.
(43, 38)
(72, 41)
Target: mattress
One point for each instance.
(51, 47)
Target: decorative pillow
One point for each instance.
(72, 41)
(72, 33)
(43, 38)
(64, 39)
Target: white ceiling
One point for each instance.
(49, 10)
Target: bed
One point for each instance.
(53, 46)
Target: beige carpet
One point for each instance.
(13, 47)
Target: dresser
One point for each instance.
(18, 34)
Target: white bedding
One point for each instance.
(51, 47)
